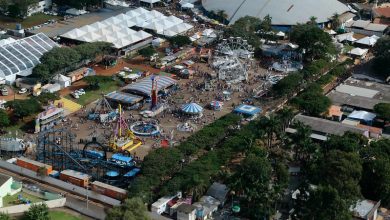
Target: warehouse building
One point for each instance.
(19, 57)
(284, 13)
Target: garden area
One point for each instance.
(20, 198)
(97, 85)
(60, 215)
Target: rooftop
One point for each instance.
(39, 164)
(364, 208)
(75, 174)
(327, 126)
(283, 12)
(186, 208)
(353, 100)
(61, 27)
(4, 178)
(107, 186)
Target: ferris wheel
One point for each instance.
(231, 59)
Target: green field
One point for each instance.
(40, 18)
(58, 215)
(13, 200)
(92, 95)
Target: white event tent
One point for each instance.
(117, 29)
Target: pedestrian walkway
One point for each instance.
(68, 105)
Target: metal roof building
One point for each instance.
(144, 87)
(283, 12)
(18, 58)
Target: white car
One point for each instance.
(22, 91)
(80, 91)
(75, 95)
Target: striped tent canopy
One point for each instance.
(192, 108)
(144, 86)
(123, 98)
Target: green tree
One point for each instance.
(252, 182)
(147, 52)
(266, 24)
(285, 115)
(381, 62)
(341, 170)
(4, 216)
(246, 28)
(42, 72)
(14, 10)
(23, 108)
(376, 166)
(37, 212)
(313, 41)
(222, 16)
(288, 85)
(133, 208)
(180, 40)
(312, 101)
(383, 110)
(335, 21)
(349, 142)
(4, 118)
(91, 51)
(325, 202)
(302, 143)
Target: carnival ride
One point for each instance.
(102, 111)
(232, 58)
(123, 139)
(145, 128)
(56, 148)
(154, 95)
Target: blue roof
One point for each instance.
(121, 157)
(124, 98)
(144, 86)
(192, 108)
(133, 172)
(247, 109)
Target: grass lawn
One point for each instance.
(13, 130)
(58, 215)
(13, 200)
(92, 95)
(40, 18)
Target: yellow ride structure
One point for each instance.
(123, 138)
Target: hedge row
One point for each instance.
(197, 176)
(161, 164)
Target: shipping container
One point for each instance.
(75, 177)
(33, 165)
(108, 190)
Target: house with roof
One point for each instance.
(7, 187)
(381, 14)
(365, 210)
(367, 28)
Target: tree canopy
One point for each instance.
(246, 27)
(62, 59)
(381, 62)
(383, 110)
(37, 212)
(23, 108)
(288, 85)
(4, 118)
(312, 101)
(133, 208)
(180, 41)
(147, 52)
(315, 42)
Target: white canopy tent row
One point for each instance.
(116, 29)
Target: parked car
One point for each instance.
(75, 95)
(81, 91)
(22, 91)
(4, 91)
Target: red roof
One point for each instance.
(385, 12)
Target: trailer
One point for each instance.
(75, 177)
(51, 88)
(108, 190)
(33, 165)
